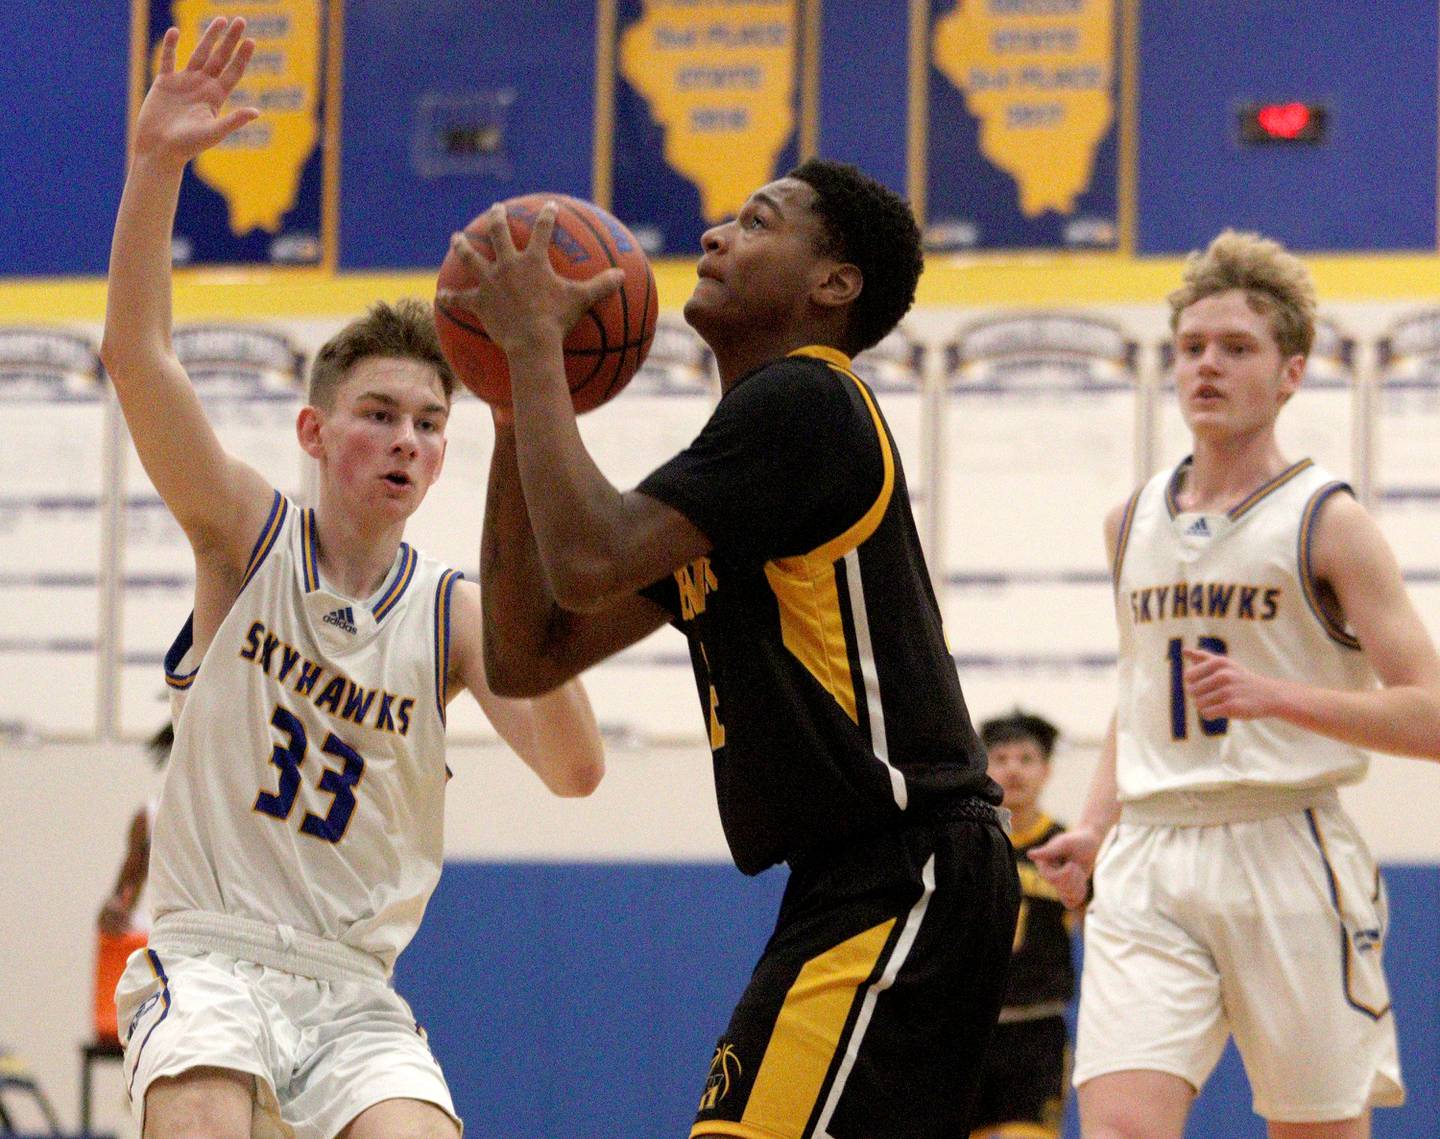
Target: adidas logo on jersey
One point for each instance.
(343, 618)
(1198, 529)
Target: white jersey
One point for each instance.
(306, 786)
(1238, 583)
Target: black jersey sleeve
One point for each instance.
(790, 458)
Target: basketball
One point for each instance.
(608, 345)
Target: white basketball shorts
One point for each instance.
(1270, 930)
(321, 1050)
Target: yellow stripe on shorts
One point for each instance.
(807, 1032)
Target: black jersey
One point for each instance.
(1041, 969)
(832, 700)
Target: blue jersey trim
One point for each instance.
(159, 971)
(268, 534)
(443, 595)
(1346, 954)
(309, 551)
(409, 559)
(176, 653)
(1309, 586)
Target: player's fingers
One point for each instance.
(232, 122)
(167, 51)
(236, 67)
(201, 55)
(544, 229)
(464, 249)
(225, 49)
(498, 223)
(600, 286)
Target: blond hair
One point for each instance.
(1276, 283)
(403, 331)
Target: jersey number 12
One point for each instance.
(1179, 712)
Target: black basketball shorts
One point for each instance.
(870, 1010)
(1025, 1074)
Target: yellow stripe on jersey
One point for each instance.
(409, 560)
(268, 533)
(812, 624)
(807, 1033)
(309, 551)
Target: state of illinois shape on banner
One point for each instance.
(707, 108)
(1022, 140)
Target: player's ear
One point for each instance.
(840, 285)
(1291, 373)
(307, 430)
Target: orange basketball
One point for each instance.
(605, 349)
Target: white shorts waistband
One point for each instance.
(276, 946)
(1246, 804)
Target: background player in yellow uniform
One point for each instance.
(781, 542)
(1258, 605)
(1022, 1095)
(299, 833)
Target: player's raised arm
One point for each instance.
(531, 643)
(555, 734)
(219, 501)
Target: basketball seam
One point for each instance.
(603, 240)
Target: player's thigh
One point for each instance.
(202, 1103)
(869, 1011)
(402, 1119)
(1150, 992)
(1134, 1105)
(181, 1014)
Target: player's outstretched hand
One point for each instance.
(1222, 689)
(181, 115)
(518, 297)
(1066, 862)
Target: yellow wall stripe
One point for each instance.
(807, 1032)
(972, 281)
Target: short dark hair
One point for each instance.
(402, 331)
(871, 227)
(1018, 726)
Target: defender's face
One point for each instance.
(382, 445)
(1229, 373)
(1021, 769)
(758, 268)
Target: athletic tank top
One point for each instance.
(1238, 583)
(306, 785)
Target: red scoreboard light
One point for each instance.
(1282, 122)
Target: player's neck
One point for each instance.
(1224, 472)
(738, 356)
(354, 560)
